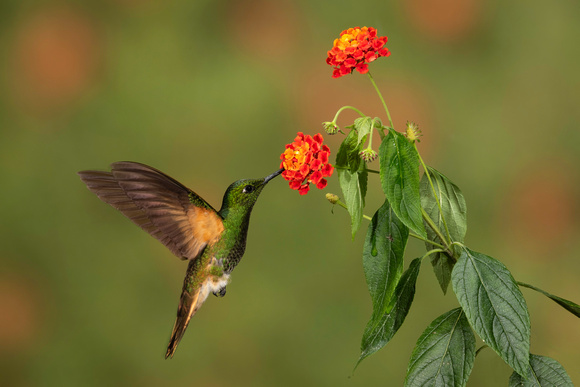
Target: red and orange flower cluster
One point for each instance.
(355, 49)
(305, 161)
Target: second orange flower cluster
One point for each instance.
(305, 161)
(355, 48)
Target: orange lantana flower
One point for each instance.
(355, 49)
(305, 161)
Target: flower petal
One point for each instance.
(294, 184)
(315, 164)
(362, 68)
(327, 170)
(315, 177)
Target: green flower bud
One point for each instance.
(368, 155)
(330, 127)
(332, 198)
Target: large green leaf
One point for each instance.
(352, 176)
(454, 211)
(444, 353)
(494, 306)
(570, 306)
(382, 327)
(545, 372)
(399, 167)
(383, 257)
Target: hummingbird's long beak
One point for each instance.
(270, 177)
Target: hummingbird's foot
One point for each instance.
(220, 293)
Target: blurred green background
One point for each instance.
(210, 92)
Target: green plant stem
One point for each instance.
(344, 108)
(379, 129)
(525, 285)
(426, 171)
(371, 134)
(433, 226)
(341, 204)
(426, 240)
(382, 99)
(428, 253)
(438, 232)
(457, 244)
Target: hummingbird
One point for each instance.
(212, 241)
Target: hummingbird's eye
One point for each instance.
(248, 189)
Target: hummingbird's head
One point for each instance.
(243, 194)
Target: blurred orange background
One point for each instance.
(210, 92)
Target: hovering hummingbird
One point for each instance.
(212, 241)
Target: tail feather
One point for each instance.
(196, 288)
(189, 303)
(185, 310)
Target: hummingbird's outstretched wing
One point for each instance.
(159, 204)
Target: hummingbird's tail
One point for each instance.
(192, 298)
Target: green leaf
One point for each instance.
(544, 372)
(494, 306)
(399, 167)
(570, 306)
(353, 187)
(442, 266)
(383, 257)
(382, 327)
(364, 127)
(455, 213)
(444, 353)
(352, 176)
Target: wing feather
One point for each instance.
(159, 204)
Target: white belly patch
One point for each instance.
(212, 285)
